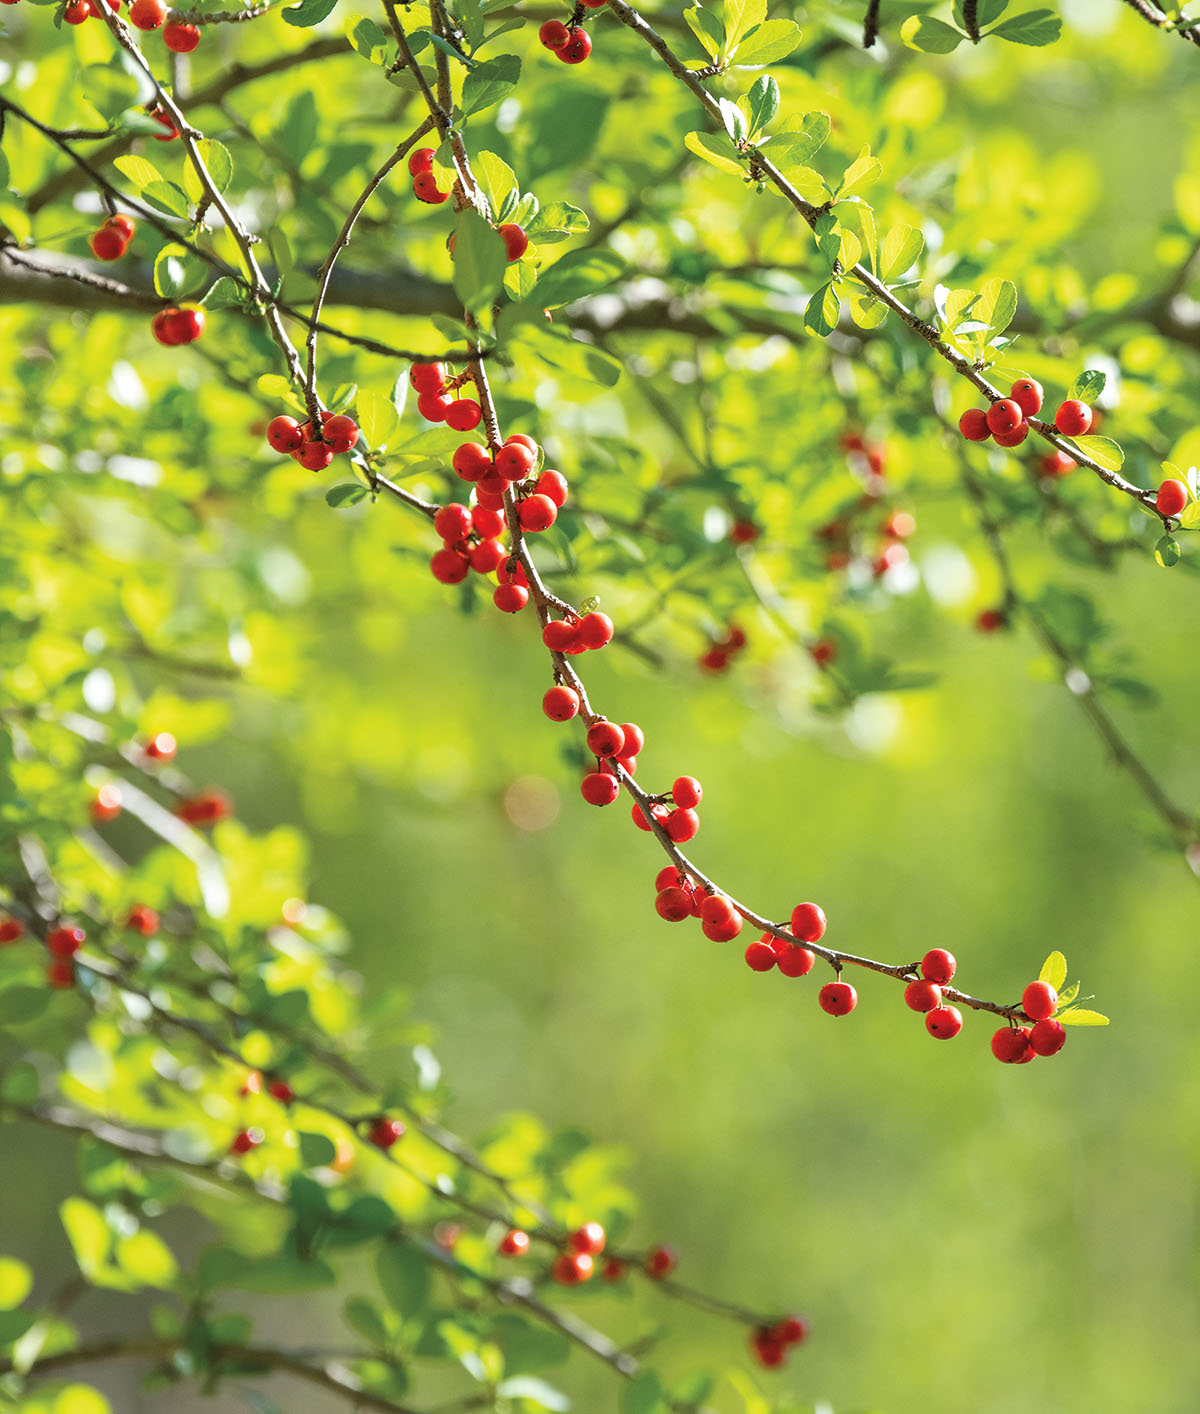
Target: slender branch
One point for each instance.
(871, 24)
(971, 20)
(1155, 16)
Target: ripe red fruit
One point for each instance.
(425, 188)
(561, 703)
(489, 491)
(420, 161)
(516, 242)
(559, 635)
(793, 960)
(823, 651)
(593, 4)
(1172, 497)
(938, 965)
(989, 620)
(837, 998)
(554, 485)
(510, 598)
(452, 522)
(245, 1140)
(767, 1350)
(719, 920)
(65, 940)
(10, 930)
(599, 789)
(515, 460)
(605, 739)
(1028, 395)
(687, 792)
(1047, 1038)
(554, 34)
(1056, 463)
(513, 1244)
(181, 39)
(571, 1268)
(283, 434)
(142, 919)
(744, 532)
(179, 326)
(449, 567)
(595, 630)
(1073, 418)
(1011, 1045)
(107, 804)
(658, 811)
(1004, 417)
(147, 14)
(487, 556)
(682, 825)
(107, 243)
(433, 407)
(486, 524)
(471, 461)
(635, 738)
(516, 575)
(669, 877)
(577, 48)
(61, 972)
(808, 922)
(1040, 1001)
(464, 415)
(314, 456)
(944, 1022)
(673, 903)
(792, 1330)
(760, 955)
(207, 808)
(973, 425)
(171, 131)
(536, 513)
(1013, 438)
(161, 746)
(76, 12)
(661, 1262)
(385, 1132)
(280, 1090)
(425, 377)
(589, 1238)
(125, 225)
(923, 995)
(340, 432)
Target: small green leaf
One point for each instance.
(363, 1317)
(16, 1282)
(997, 305)
(1167, 552)
(899, 249)
(1034, 27)
(797, 143)
(146, 1259)
(404, 1278)
(1054, 970)
(1088, 386)
(1102, 450)
(866, 311)
(707, 29)
(1067, 996)
(497, 179)
(176, 270)
(479, 261)
(167, 197)
(223, 293)
(767, 44)
(578, 273)
(377, 418)
(764, 102)
(930, 36)
(644, 1395)
(488, 83)
(308, 12)
(370, 40)
(704, 146)
(347, 493)
(110, 88)
(557, 222)
(821, 313)
(1079, 1016)
(741, 16)
(317, 1150)
(216, 159)
(862, 173)
(1189, 517)
(140, 172)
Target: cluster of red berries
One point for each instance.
(569, 42)
(1018, 1045)
(62, 943)
(1007, 418)
(434, 402)
(424, 185)
(577, 1263)
(617, 745)
(715, 658)
(77, 11)
(208, 807)
(884, 549)
(925, 994)
(111, 241)
(471, 541)
(178, 325)
(339, 433)
(588, 1242)
(152, 14)
(770, 1344)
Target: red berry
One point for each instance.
(486, 524)
(1004, 417)
(1172, 497)
(1073, 418)
(108, 243)
(973, 425)
(207, 808)
(486, 556)
(767, 1350)
(147, 14)
(900, 525)
(595, 630)
(589, 1238)
(576, 49)
(245, 1140)
(515, 460)
(185, 325)
(314, 456)
(1011, 1045)
(561, 703)
(823, 651)
(792, 1330)
(682, 825)
(421, 161)
(938, 965)
(433, 407)
(75, 14)
(687, 792)
(471, 461)
(107, 804)
(719, 920)
(61, 972)
(744, 532)
(452, 522)
(1040, 1001)
(1028, 395)
(522, 439)
(661, 1262)
(516, 575)
(554, 34)
(554, 485)
(605, 739)
(142, 919)
(489, 491)
(510, 598)
(65, 941)
(1047, 1037)
(449, 567)
(760, 956)
(171, 133)
(635, 738)
(989, 620)
(808, 922)
(385, 1132)
(280, 1090)
(10, 930)
(181, 39)
(1013, 438)
(425, 188)
(715, 660)
(837, 998)
(613, 1270)
(126, 225)
(571, 1268)
(340, 432)
(514, 1243)
(593, 4)
(943, 1022)
(793, 960)
(669, 878)
(516, 242)
(536, 512)
(464, 415)
(923, 995)
(599, 789)
(559, 635)
(673, 903)
(639, 819)
(1056, 463)
(283, 434)
(426, 377)
(161, 746)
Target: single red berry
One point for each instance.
(1013, 438)
(106, 805)
(577, 48)
(141, 919)
(923, 995)
(449, 567)
(1047, 1037)
(126, 225)
(207, 808)
(792, 1330)
(767, 1350)
(76, 12)
(673, 903)
(793, 960)
(561, 703)
(1073, 418)
(514, 1243)
(516, 575)
(760, 956)
(593, 4)
(589, 1238)
(639, 819)
(283, 434)
(515, 460)
(661, 1262)
(744, 532)
(823, 651)
(808, 922)
(486, 524)
(314, 456)
(605, 739)
(1056, 463)
(572, 1268)
(489, 491)
(938, 965)
(164, 120)
(1040, 1001)
(434, 407)
(453, 521)
(341, 432)
(65, 940)
(522, 439)
(687, 792)
(599, 789)
(536, 513)
(425, 188)
(837, 998)
(510, 598)
(147, 14)
(421, 160)
(1004, 417)
(185, 325)
(595, 630)
(1011, 1045)
(1028, 395)
(715, 660)
(635, 738)
(989, 620)
(1172, 497)
(554, 34)
(385, 1132)
(973, 425)
(900, 525)
(554, 485)
(682, 825)
(516, 242)
(613, 1270)
(280, 1090)
(943, 1022)
(245, 1140)
(471, 461)
(669, 877)
(107, 243)
(10, 930)
(464, 415)
(558, 635)
(425, 377)
(719, 920)
(161, 746)
(181, 39)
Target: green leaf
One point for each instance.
(317, 1150)
(764, 102)
(557, 222)
(520, 279)
(1088, 386)
(479, 261)
(1102, 450)
(146, 1259)
(740, 17)
(866, 311)
(370, 40)
(1080, 1016)
(704, 146)
(308, 12)
(986, 12)
(1034, 27)
(1167, 552)
(644, 1395)
(16, 1282)
(140, 172)
(930, 36)
(1189, 517)
(404, 1279)
(578, 273)
(1066, 997)
(796, 144)
(87, 1233)
(377, 419)
(997, 305)
(707, 29)
(559, 350)
(900, 248)
(1054, 970)
(175, 271)
(20, 1004)
(216, 159)
(767, 43)
(862, 173)
(167, 197)
(109, 88)
(223, 294)
(496, 178)
(821, 313)
(347, 493)
(488, 83)
(362, 1316)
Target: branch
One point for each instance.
(1153, 14)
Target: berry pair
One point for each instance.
(209, 807)
(339, 433)
(715, 659)
(178, 325)
(569, 42)
(770, 1344)
(578, 635)
(62, 943)
(111, 241)
(424, 184)
(434, 402)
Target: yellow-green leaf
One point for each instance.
(901, 246)
(862, 173)
(1080, 1016)
(1054, 970)
(703, 146)
(1102, 450)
